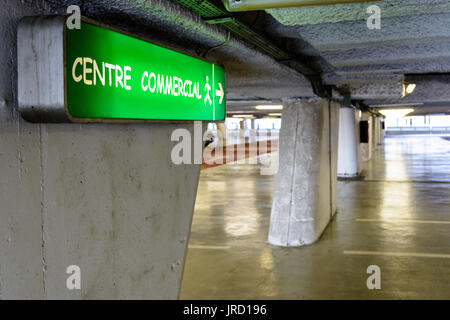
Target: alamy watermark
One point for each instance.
(74, 280)
(74, 20)
(374, 20)
(374, 280)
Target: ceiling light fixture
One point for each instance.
(408, 88)
(269, 107)
(395, 113)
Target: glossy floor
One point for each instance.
(397, 218)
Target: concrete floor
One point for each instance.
(398, 218)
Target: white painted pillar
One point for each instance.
(373, 134)
(223, 134)
(349, 150)
(305, 185)
(379, 132)
(104, 197)
(242, 131)
(376, 132)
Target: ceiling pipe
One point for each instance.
(248, 5)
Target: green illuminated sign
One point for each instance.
(110, 75)
(96, 74)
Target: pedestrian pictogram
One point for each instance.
(207, 92)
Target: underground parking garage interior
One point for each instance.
(225, 150)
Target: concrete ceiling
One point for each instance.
(413, 44)
(414, 39)
(251, 74)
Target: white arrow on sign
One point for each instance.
(220, 93)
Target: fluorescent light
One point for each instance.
(242, 116)
(275, 114)
(395, 113)
(269, 107)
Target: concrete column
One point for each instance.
(349, 150)
(222, 128)
(252, 130)
(242, 131)
(106, 198)
(373, 133)
(379, 131)
(305, 185)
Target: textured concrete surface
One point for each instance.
(104, 197)
(405, 204)
(413, 38)
(355, 34)
(302, 201)
(381, 90)
(357, 11)
(366, 147)
(440, 65)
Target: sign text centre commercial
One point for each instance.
(92, 73)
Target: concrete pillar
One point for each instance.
(106, 198)
(349, 157)
(305, 185)
(222, 128)
(379, 131)
(373, 133)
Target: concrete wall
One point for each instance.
(104, 197)
(305, 186)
